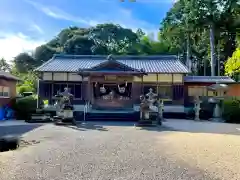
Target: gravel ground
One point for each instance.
(121, 152)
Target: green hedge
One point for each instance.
(231, 110)
(206, 111)
(24, 107)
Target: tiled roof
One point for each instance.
(72, 63)
(9, 76)
(208, 79)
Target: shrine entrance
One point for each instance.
(112, 95)
(110, 84)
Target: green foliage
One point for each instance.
(78, 45)
(232, 67)
(4, 66)
(24, 88)
(28, 83)
(102, 39)
(24, 107)
(45, 102)
(192, 19)
(45, 52)
(206, 111)
(231, 110)
(186, 28)
(24, 62)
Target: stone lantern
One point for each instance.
(219, 91)
(147, 107)
(197, 108)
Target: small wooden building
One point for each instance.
(113, 81)
(7, 87)
(198, 85)
(234, 90)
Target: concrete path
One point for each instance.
(202, 126)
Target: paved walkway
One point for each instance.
(202, 127)
(16, 127)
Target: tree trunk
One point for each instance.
(212, 41)
(219, 59)
(188, 60)
(205, 67)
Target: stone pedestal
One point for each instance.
(197, 108)
(146, 109)
(217, 111)
(217, 114)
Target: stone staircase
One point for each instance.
(39, 116)
(104, 115)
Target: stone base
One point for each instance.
(9, 142)
(64, 121)
(39, 119)
(160, 120)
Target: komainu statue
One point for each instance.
(64, 107)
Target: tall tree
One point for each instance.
(4, 66)
(178, 29)
(79, 45)
(204, 19)
(114, 38)
(24, 62)
(43, 53)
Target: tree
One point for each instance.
(43, 53)
(4, 66)
(79, 45)
(211, 27)
(232, 67)
(24, 62)
(114, 38)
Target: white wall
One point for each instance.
(62, 77)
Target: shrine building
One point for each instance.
(113, 81)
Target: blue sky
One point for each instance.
(25, 24)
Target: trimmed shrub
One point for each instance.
(206, 111)
(231, 111)
(24, 88)
(24, 107)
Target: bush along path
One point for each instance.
(231, 110)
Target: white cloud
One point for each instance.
(13, 44)
(144, 1)
(56, 13)
(106, 12)
(37, 28)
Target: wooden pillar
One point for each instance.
(38, 96)
(142, 85)
(157, 85)
(82, 88)
(89, 89)
(52, 90)
(67, 78)
(172, 88)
